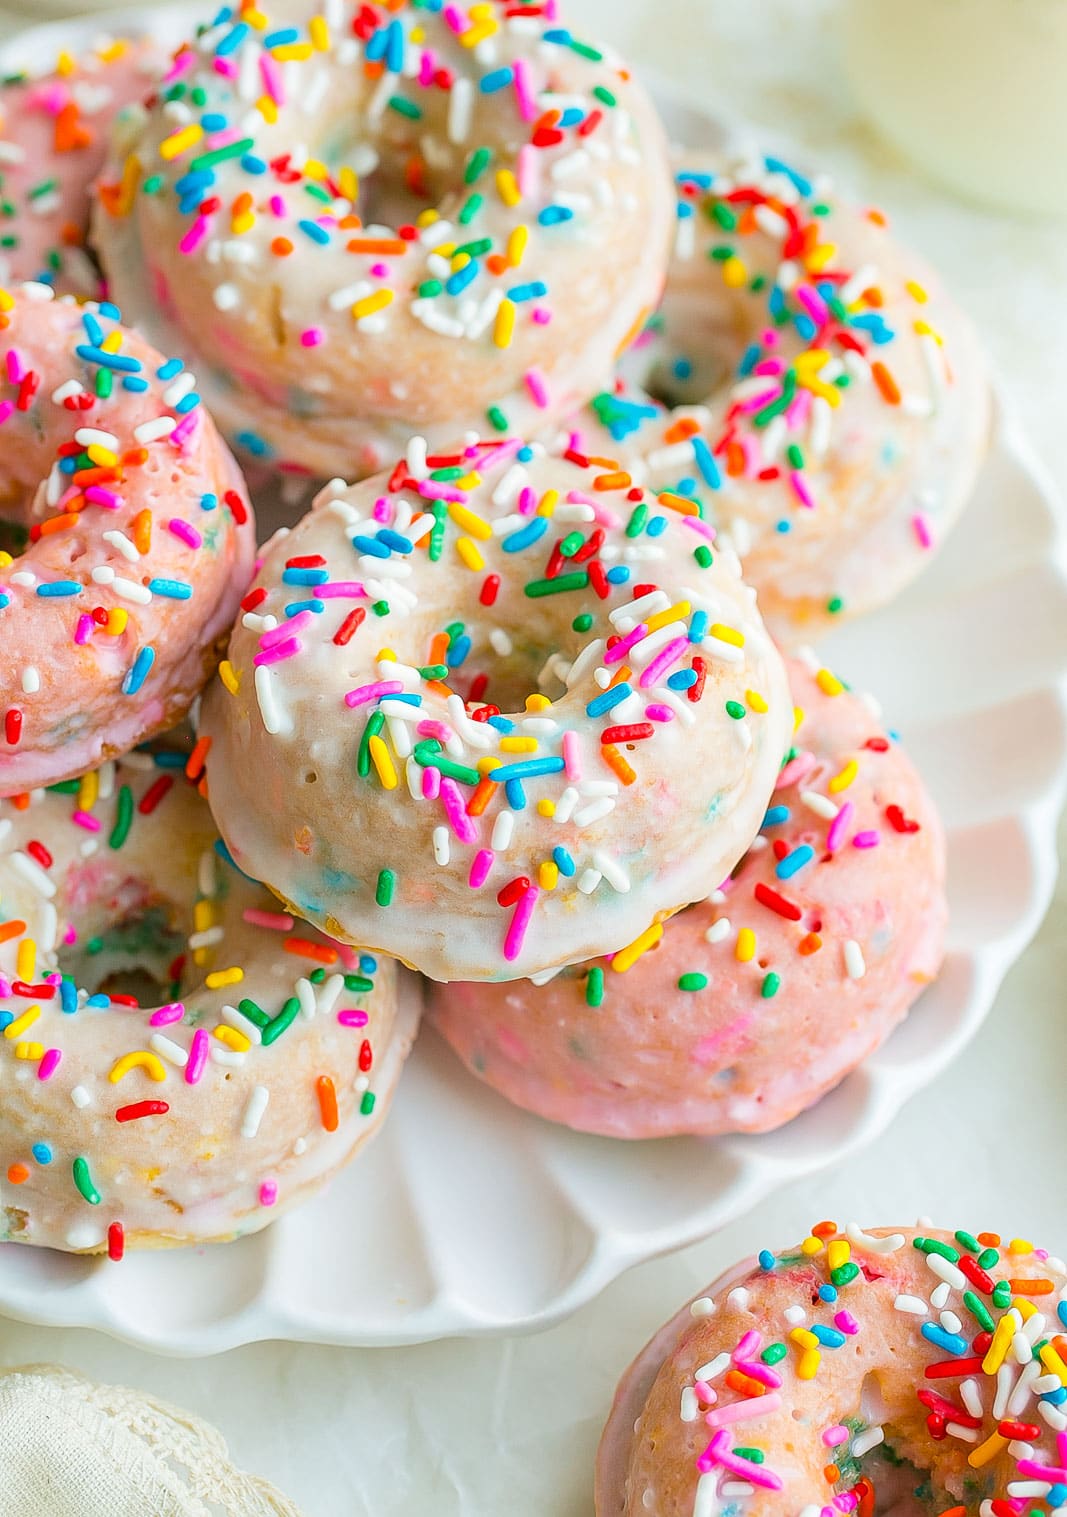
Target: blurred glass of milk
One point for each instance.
(974, 90)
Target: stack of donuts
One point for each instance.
(602, 434)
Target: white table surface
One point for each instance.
(510, 1426)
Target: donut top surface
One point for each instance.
(405, 214)
(241, 1068)
(495, 711)
(126, 539)
(852, 1373)
(834, 403)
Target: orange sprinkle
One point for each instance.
(134, 456)
(21, 802)
(438, 648)
(304, 948)
(617, 481)
(824, 1230)
(746, 1384)
(1031, 1287)
(679, 503)
(811, 943)
(880, 219)
(141, 529)
(621, 675)
(615, 761)
(12, 929)
(281, 247)
(681, 431)
(327, 1094)
(377, 245)
(18, 1174)
(483, 794)
(58, 523)
(831, 1472)
(194, 768)
(735, 460)
(989, 1240)
(885, 382)
(496, 264)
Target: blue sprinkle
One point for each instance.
(1057, 1496)
(776, 302)
(458, 282)
(705, 462)
(283, 35)
(794, 862)
(557, 34)
(683, 368)
(99, 1001)
(828, 1292)
(5, 600)
(749, 359)
(135, 384)
(305, 576)
(374, 51)
(170, 760)
(1056, 1397)
(525, 536)
(527, 769)
(42, 1153)
(571, 116)
(408, 697)
(171, 589)
(314, 231)
(232, 40)
(252, 443)
(209, 501)
(699, 177)
(656, 527)
(68, 996)
(766, 1259)
(829, 1337)
(685, 210)
(805, 326)
(60, 587)
(394, 57)
(367, 963)
(94, 331)
(563, 861)
(533, 291)
(618, 574)
(122, 363)
(138, 671)
(776, 815)
(608, 700)
(682, 680)
(458, 651)
(952, 1343)
(215, 121)
(777, 166)
(783, 526)
(524, 454)
(67, 465)
(498, 79)
(252, 164)
(516, 795)
(552, 215)
(170, 369)
(192, 183)
(296, 606)
(109, 309)
(501, 724)
(372, 546)
(6, 1019)
(698, 627)
(396, 541)
(1061, 1312)
(187, 403)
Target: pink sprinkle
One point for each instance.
(772, 366)
(835, 1435)
(279, 652)
(274, 921)
(427, 68)
(744, 1411)
(225, 66)
(186, 427)
(602, 514)
(431, 782)
(769, 338)
(747, 1346)
(462, 825)
(524, 95)
(340, 589)
(84, 629)
(195, 235)
(6, 408)
(618, 651)
(382, 510)
(380, 270)
(795, 770)
(455, 19)
(277, 205)
(658, 713)
(103, 497)
(845, 1322)
(272, 78)
(527, 171)
(181, 65)
(800, 490)
(836, 834)
(434, 729)
(701, 528)
(83, 819)
(198, 1056)
(719, 1452)
(921, 523)
(520, 921)
(705, 1392)
(275, 635)
(432, 489)
(49, 1064)
(5, 987)
(480, 867)
(183, 530)
(663, 661)
(757, 402)
(310, 337)
(364, 693)
(70, 937)
(813, 303)
(572, 756)
(167, 1015)
(541, 315)
(758, 1371)
(268, 1193)
(352, 1017)
(15, 370)
(868, 839)
(527, 502)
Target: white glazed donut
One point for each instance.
(842, 404)
(270, 1061)
(364, 222)
(495, 713)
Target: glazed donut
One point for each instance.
(363, 222)
(364, 763)
(755, 1003)
(54, 128)
(843, 405)
(131, 539)
(858, 1373)
(270, 1060)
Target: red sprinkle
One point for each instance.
(40, 853)
(253, 599)
(237, 506)
(513, 890)
(141, 1109)
(696, 689)
(775, 902)
(13, 726)
(116, 1242)
(366, 1056)
(154, 794)
(490, 588)
(627, 734)
(898, 821)
(346, 630)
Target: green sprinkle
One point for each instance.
(693, 980)
(774, 1353)
(198, 95)
(584, 50)
(497, 420)
(582, 622)
(366, 1106)
(434, 671)
(978, 1311)
(380, 608)
(576, 580)
(477, 164)
(703, 556)
(720, 254)
(282, 1022)
(428, 753)
(65, 787)
(724, 216)
(636, 525)
(844, 1274)
(386, 886)
(604, 95)
(758, 284)
(987, 1258)
(43, 188)
(437, 531)
(754, 1456)
(317, 192)
(935, 1246)
(475, 250)
(795, 456)
(1002, 1295)
(404, 107)
(121, 830)
(771, 985)
(94, 946)
(84, 1181)
(429, 288)
(375, 723)
(255, 1014)
(471, 209)
(358, 984)
(834, 604)
(735, 709)
(221, 154)
(782, 403)
(317, 975)
(152, 185)
(571, 544)
(454, 630)
(104, 381)
(970, 1243)
(594, 986)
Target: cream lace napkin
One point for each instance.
(72, 1448)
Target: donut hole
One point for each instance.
(123, 936)
(687, 351)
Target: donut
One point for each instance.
(830, 403)
(54, 130)
(252, 1059)
(861, 1372)
(362, 221)
(494, 711)
(756, 1002)
(126, 536)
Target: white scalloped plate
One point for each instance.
(469, 1216)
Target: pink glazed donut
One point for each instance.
(129, 533)
(756, 1002)
(859, 1373)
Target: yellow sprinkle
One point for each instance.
(999, 1345)
(477, 34)
(88, 790)
(548, 503)
(243, 223)
(517, 240)
(828, 683)
(291, 52)
(548, 875)
(319, 32)
(734, 273)
(229, 677)
(66, 63)
(203, 916)
(809, 1363)
(504, 325)
(383, 763)
(546, 808)
(515, 745)
(987, 1450)
(427, 218)
(727, 634)
(798, 718)
(811, 1246)
(348, 183)
(26, 959)
(843, 779)
(5, 560)
(537, 702)
(468, 482)
(112, 342)
(924, 329)
(838, 1252)
(232, 1038)
(268, 109)
(470, 553)
(7, 300)
(1052, 1361)
(469, 521)
(117, 618)
(15, 1029)
(460, 261)
(755, 701)
(1020, 1246)
(821, 256)
(314, 168)
(488, 762)
(627, 957)
(507, 187)
(803, 1337)
(370, 304)
(180, 141)
(916, 291)
(385, 656)
(151, 1063)
(104, 457)
(746, 946)
(1026, 1309)
(675, 613)
(811, 361)
(220, 978)
(33, 1051)
(115, 50)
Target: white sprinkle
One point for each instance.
(207, 939)
(305, 994)
(689, 1410)
(588, 880)
(706, 1501)
(1052, 1415)
(460, 110)
(888, 1245)
(718, 930)
(612, 870)
(822, 805)
(965, 1434)
(856, 968)
(88, 436)
(939, 1297)
(738, 1297)
(594, 812)
(152, 431)
(703, 1306)
(971, 1397)
(168, 1050)
(253, 1116)
(128, 589)
(330, 992)
(503, 827)
(913, 1304)
(714, 1367)
(122, 544)
(1005, 1386)
(441, 848)
(867, 1440)
(951, 1323)
(1022, 1349)
(33, 874)
(795, 1315)
(65, 391)
(31, 680)
(226, 297)
(81, 1097)
(565, 805)
(946, 1270)
(268, 704)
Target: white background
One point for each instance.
(346, 1432)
